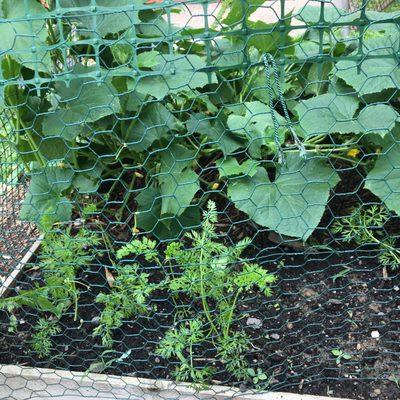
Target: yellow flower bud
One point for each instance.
(353, 153)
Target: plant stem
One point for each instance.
(76, 306)
(230, 315)
(120, 212)
(202, 290)
(391, 249)
(32, 143)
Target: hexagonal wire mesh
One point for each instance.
(218, 187)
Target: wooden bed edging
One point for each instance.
(8, 284)
(19, 383)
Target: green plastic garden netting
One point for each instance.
(216, 189)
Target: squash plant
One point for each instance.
(117, 93)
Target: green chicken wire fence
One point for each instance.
(216, 189)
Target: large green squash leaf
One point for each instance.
(333, 113)
(311, 15)
(294, 203)
(178, 183)
(373, 75)
(230, 167)
(111, 16)
(377, 118)
(22, 37)
(240, 11)
(216, 132)
(45, 196)
(83, 101)
(230, 54)
(150, 219)
(256, 126)
(384, 179)
(88, 181)
(266, 38)
(328, 113)
(177, 190)
(175, 158)
(154, 122)
(174, 74)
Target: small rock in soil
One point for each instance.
(375, 334)
(308, 292)
(275, 336)
(289, 325)
(396, 288)
(377, 391)
(362, 299)
(254, 323)
(95, 320)
(374, 307)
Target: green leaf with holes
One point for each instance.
(25, 39)
(83, 101)
(292, 204)
(174, 74)
(384, 179)
(254, 123)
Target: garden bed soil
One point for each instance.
(308, 316)
(311, 313)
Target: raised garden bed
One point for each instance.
(219, 204)
(315, 310)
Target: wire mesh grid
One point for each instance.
(218, 189)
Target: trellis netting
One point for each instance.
(213, 195)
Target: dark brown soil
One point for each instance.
(308, 317)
